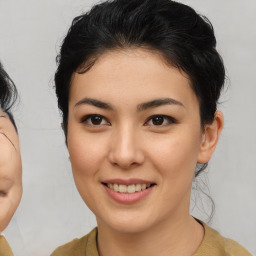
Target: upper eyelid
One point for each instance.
(92, 115)
(86, 117)
(167, 117)
(164, 116)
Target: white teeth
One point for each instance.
(116, 187)
(138, 187)
(123, 189)
(128, 189)
(143, 186)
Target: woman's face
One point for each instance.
(134, 138)
(10, 170)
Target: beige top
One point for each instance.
(5, 249)
(213, 244)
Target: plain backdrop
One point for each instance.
(51, 211)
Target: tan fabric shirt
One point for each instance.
(213, 244)
(5, 249)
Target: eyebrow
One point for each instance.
(93, 102)
(140, 107)
(158, 103)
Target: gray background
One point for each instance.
(51, 212)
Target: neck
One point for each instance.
(181, 236)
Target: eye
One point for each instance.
(94, 120)
(160, 120)
(2, 193)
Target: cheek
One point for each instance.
(11, 169)
(87, 154)
(175, 155)
(10, 163)
(87, 151)
(9, 205)
(175, 160)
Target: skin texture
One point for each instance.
(10, 170)
(127, 144)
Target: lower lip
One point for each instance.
(126, 198)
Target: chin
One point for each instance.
(128, 227)
(126, 222)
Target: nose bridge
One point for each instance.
(125, 147)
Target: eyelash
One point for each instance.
(88, 117)
(165, 118)
(169, 119)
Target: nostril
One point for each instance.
(124, 163)
(125, 154)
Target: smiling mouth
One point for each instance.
(130, 189)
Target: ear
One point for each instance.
(210, 138)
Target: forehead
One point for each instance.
(130, 72)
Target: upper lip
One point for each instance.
(127, 182)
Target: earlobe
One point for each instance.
(210, 138)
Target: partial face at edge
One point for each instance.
(10, 170)
(133, 119)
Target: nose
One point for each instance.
(126, 149)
